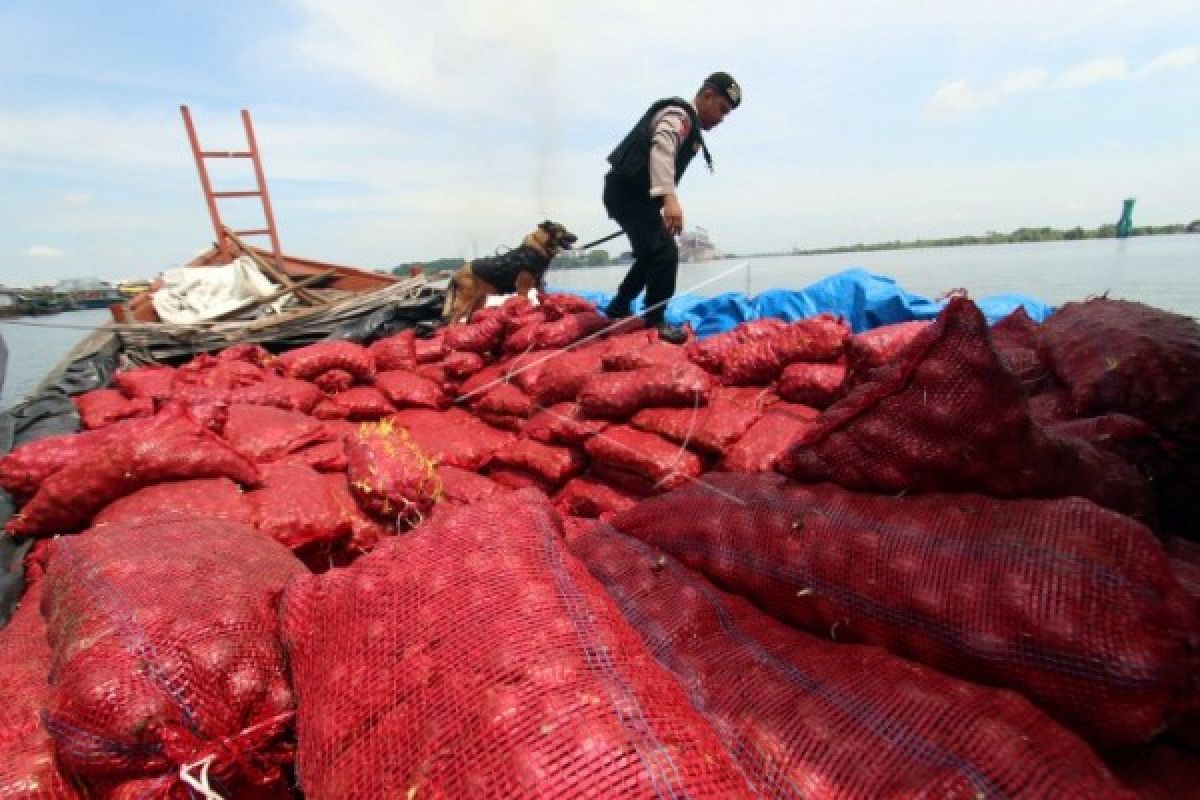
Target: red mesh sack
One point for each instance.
(1158, 771)
(1017, 331)
(308, 362)
(323, 457)
(462, 487)
(568, 330)
(711, 429)
(947, 416)
(525, 369)
(558, 305)
(250, 353)
(1015, 340)
(29, 769)
(872, 725)
(516, 478)
(656, 354)
(554, 463)
(212, 373)
(209, 407)
(436, 374)
(460, 366)
(102, 407)
(511, 649)
(395, 352)
(482, 335)
(295, 507)
(879, 346)
(286, 393)
(563, 423)
(622, 480)
(1131, 358)
(620, 394)
(339, 430)
(1050, 406)
(166, 656)
(363, 403)
(585, 497)
(409, 390)
(759, 361)
(454, 437)
(483, 380)
(764, 443)
(516, 305)
(521, 338)
(713, 351)
(816, 385)
(1064, 601)
(263, 433)
(210, 498)
(432, 349)
(154, 382)
(665, 464)
(563, 376)
(514, 423)
(169, 446)
(23, 470)
(365, 531)
(332, 381)
(328, 410)
(389, 474)
(1183, 557)
(505, 399)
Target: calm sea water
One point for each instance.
(1160, 270)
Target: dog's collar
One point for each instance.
(532, 243)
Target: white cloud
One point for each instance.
(1172, 59)
(1095, 71)
(1024, 80)
(43, 251)
(958, 97)
(75, 199)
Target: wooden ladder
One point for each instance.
(228, 240)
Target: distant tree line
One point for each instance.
(601, 258)
(590, 258)
(1019, 235)
(429, 267)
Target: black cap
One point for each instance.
(724, 83)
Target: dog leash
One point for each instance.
(590, 245)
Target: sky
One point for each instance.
(394, 131)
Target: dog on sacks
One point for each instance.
(519, 270)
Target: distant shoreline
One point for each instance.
(1019, 236)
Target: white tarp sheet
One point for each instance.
(196, 294)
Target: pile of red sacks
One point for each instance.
(330, 448)
(336, 444)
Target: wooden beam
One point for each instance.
(279, 275)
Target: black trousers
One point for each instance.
(655, 254)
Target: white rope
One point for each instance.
(200, 784)
(686, 439)
(614, 328)
(602, 435)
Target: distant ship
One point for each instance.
(695, 245)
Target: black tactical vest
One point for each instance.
(631, 158)
(501, 270)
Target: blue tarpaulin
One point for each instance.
(863, 299)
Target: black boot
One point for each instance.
(671, 334)
(618, 308)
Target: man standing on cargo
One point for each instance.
(639, 192)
